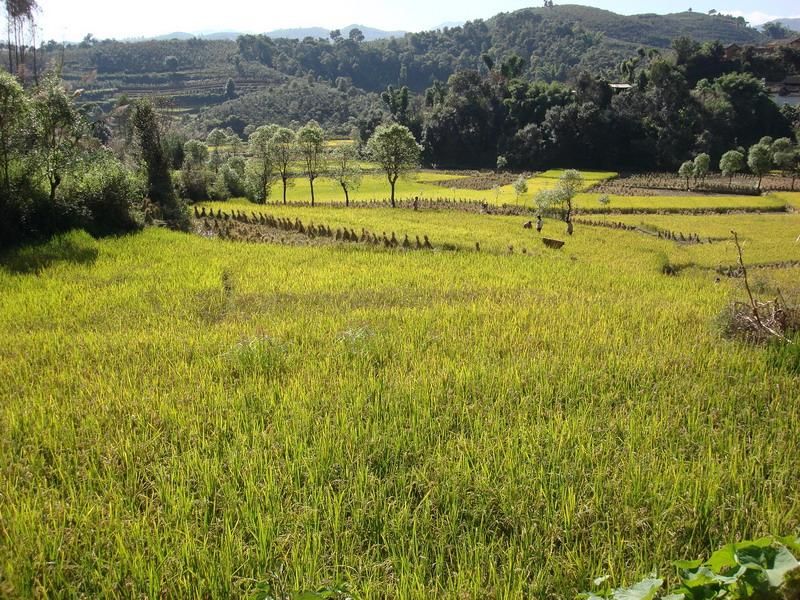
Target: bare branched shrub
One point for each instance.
(760, 321)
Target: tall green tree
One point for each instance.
(731, 163)
(686, 171)
(394, 148)
(561, 197)
(345, 170)
(261, 168)
(759, 160)
(284, 151)
(311, 147)
(159, 184)
(59, 128)
(14, 118)
(701, 164)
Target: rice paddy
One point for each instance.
(194, 418)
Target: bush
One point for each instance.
(108, 195)
(195, 184)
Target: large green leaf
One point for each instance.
(723, 560)
(644, 590)
(783, 563)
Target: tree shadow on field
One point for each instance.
(74, 247)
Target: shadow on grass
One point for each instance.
(75, 247)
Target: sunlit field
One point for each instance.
(439, 185)
(193, 417)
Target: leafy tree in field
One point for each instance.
(502, 163)
(215, 139)
(234, 142)
(59, 129)
(701, 166)
(732, 162)
(311, 147)
(345, 170)
(394, 148)
(284, 150)
(686, 171)
(194, 175)
(260, 169)
(14, 115)
(788, 161)
(195, 154)
(159, 184)
(759, 160)
(561, 196)
(520, 187)
(783, 155)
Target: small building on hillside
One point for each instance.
(733, 51)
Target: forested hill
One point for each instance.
(645, 29)
(342, 75)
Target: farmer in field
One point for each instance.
(539, 223)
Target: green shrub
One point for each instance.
(108, 194)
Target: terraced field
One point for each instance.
(188, 416)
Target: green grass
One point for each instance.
(187, 417)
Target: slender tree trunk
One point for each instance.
(392, 181)
(346, 195)
(311, 181)
(8, 43)
(284, 178)
(35, 65)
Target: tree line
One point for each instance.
(222, 166)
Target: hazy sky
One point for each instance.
(72, 20)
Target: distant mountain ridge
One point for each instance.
(299, 33)
(792, 23)
(646, 29)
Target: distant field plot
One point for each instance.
(766, 238)
(430, 184)
(677, 203)
(424, 184)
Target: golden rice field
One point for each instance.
(187, 417)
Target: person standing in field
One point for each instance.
(539, 223)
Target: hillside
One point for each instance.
(555, 44)
(790, 23)
(647, 29)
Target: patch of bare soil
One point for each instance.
(481, 181)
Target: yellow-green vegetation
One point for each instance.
(676, 203)
(188, 417)
(428, 184)
(766, 238)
